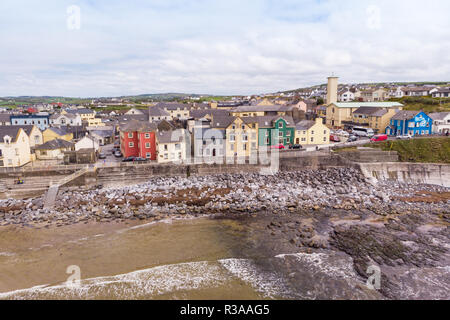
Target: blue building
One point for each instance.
(42, 121)
(414, 123)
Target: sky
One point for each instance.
(93, 48)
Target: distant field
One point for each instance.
(427, 104)
(428, 150)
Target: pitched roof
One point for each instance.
(405, 115)
(79, 111)
(439, 115)
(268, 121)
(138, 126)
(262, 108)
(371, 111)
(304, 124)
(157, 112)
(130, 117)
(11, 131)
(26, 128)
(5, 117)
(222, 121)
(55, 144)
(58, 131)
(172, 136)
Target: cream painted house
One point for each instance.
(340, 113)
(173, 146)
(14, 147)
(311, 132)
(87, 142)
(241, 138)
(53, 149)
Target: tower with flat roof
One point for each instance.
(332, 90)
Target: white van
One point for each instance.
(363, 132)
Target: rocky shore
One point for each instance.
(285, 192)
(336, 213)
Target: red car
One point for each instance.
(379, 137)
(335, 138)
(278, 146)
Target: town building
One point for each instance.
(376, 118)
(173, 146)
(157, 114)
(65, 119)
(5, 119)
(42, 121)
(53, 149)
(14, 147)
(413, 123)
(441, 93)
(309, 132)
(138, 139)
(241, 138)
(341, 113)
(275, 130)
(87, 142)
(441, 122)
(176, 110)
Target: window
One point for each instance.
(130, 135)
(232, 137)
(177, 146)
(17, 151)
(232, 147)
(324, 139)
(148, 155)
(267, 141)
(147, 145)
(147, 136)
(280, 134)
(244, 137)
(243, 127)
(280, 125)
(253, 145)
(288, 133)
(166, 147)
(244, 146)
(312, 139)
(312, 132)
(166, 156)
(131, 144)
(324, 131)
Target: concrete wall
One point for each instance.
(437, 174)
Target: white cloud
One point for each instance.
(217, 47)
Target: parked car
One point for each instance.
(295, 146)
(278, 146)
(352, 138)
(118, 154)
(379, 137)
(335, 138)
(342, 133)
(404, 136)
(128, 159)
(138, 159)
(102, 155)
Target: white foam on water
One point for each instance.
(134, 285)
(320, 262)
(269, 284)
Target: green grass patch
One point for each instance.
(426, 150)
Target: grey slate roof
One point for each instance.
(439, 115)
(11, 131)
(58, 131)
(405, 115)
(172, 105)
(26, 128)
(157, 112)
(371, 111)
(140, 126)
(304, 124)
(169, 137)
(5, 117)
(55, 144)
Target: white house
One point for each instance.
(172, 146)
(346, 96)
(66, 119)
(53, 149)
(87, 142)
(441, 122)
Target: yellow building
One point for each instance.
(341, 113)
(241, 138)
(311, 132)
(53, 133)
(376, 118)
(87, 115)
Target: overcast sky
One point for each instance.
(129, 47)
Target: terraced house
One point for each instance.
(275, 130)
(373, 117)
(413, 123)
(172, 146)
(309, 132)
(138, 139)
(241, 138)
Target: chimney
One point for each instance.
(332, 90)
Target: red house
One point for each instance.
(138, 139)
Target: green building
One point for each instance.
(274, 130)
